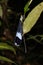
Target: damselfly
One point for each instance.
(19, 33)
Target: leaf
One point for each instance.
(5, 46)
(0, 11)
(32, 18)
(27, 5)
(6, 59)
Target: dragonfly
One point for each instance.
(19, 34)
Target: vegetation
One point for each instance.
(32, 39)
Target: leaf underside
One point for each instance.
(6, 59)
(32, 18)
(5, 46)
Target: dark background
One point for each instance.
(17, 6)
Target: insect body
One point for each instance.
(19, 33)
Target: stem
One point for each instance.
(4, 9)
(24, 45)
(24, 37)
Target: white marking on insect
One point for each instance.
(21, 18)
(19, 35)
(16, 44)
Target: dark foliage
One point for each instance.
(34, 55)
(17, 5)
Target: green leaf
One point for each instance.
(32, 18)
(6, 59)
(5, 46)
(0, 11)
(26, 6)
